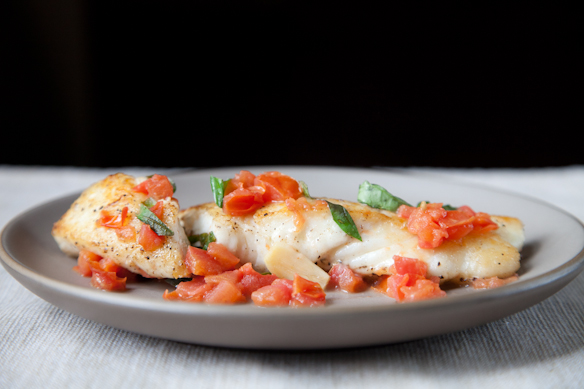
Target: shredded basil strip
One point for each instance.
(202, 240)
(344, 220)
(446, 207)
(378, 197)
(148, 217)
(304, 188)
(150, 202)
(218, 187)
(176, 281)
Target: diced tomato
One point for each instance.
(434, 225)
(85, 262)
(245, 193)
(233, 276)
(422, 290)
(277, 294)
(107, 281)
(225, 292)
(279, 187)
(306, 293)
(412, 266)
(113, 221)
(193, 290)
(409, 281)
(243, 179)
(243, 201)
(252, 280)
(345, 279)
(200, 263)
(126, 234)
(148, 239)
(158, 209)
(158, 187)
(221, 254)
(105, 274)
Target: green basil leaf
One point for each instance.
(218, 188)
(148, 217)
(344, 220)
(176, 281)
(378, 197)
(202, 240)
(304, 188)
(149, 202)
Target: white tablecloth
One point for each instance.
(44, 346)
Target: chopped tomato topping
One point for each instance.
(225, 292)
(221, 254)
(200, 263)
(251, 280)
(434, 225)
(215, 260)
(306, 293)
(345, 279)
(409, 281)
(105, 274)
(193, 290)
(245, 193)
(126, 234)
(158, 187)
(84, 262)
(277, 294)
(278, 186)
(158, 209)
(113, 221)
(148, 239)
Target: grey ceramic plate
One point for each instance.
(552, 257)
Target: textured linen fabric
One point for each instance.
(44, 346)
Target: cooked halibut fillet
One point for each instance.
(78, 229)
(384, 234)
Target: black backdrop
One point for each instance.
(217, 83)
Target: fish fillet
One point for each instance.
(384, 234)
(78, 229)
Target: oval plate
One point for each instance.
(552, 257)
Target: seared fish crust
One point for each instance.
(78, 229)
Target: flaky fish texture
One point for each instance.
(383, 233)
(79, 229)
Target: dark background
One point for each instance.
(219, 83)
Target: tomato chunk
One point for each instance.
(251, 280)
(434, 225)
(113, 221)
(105, 274)
(245, 193)
(277, 294)
(200, 263)
(306, 293)
(345, 279)
(85, 261)
(148, 239)
(409, 281)
(222, 255)
(158, 187)
(225, 292)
